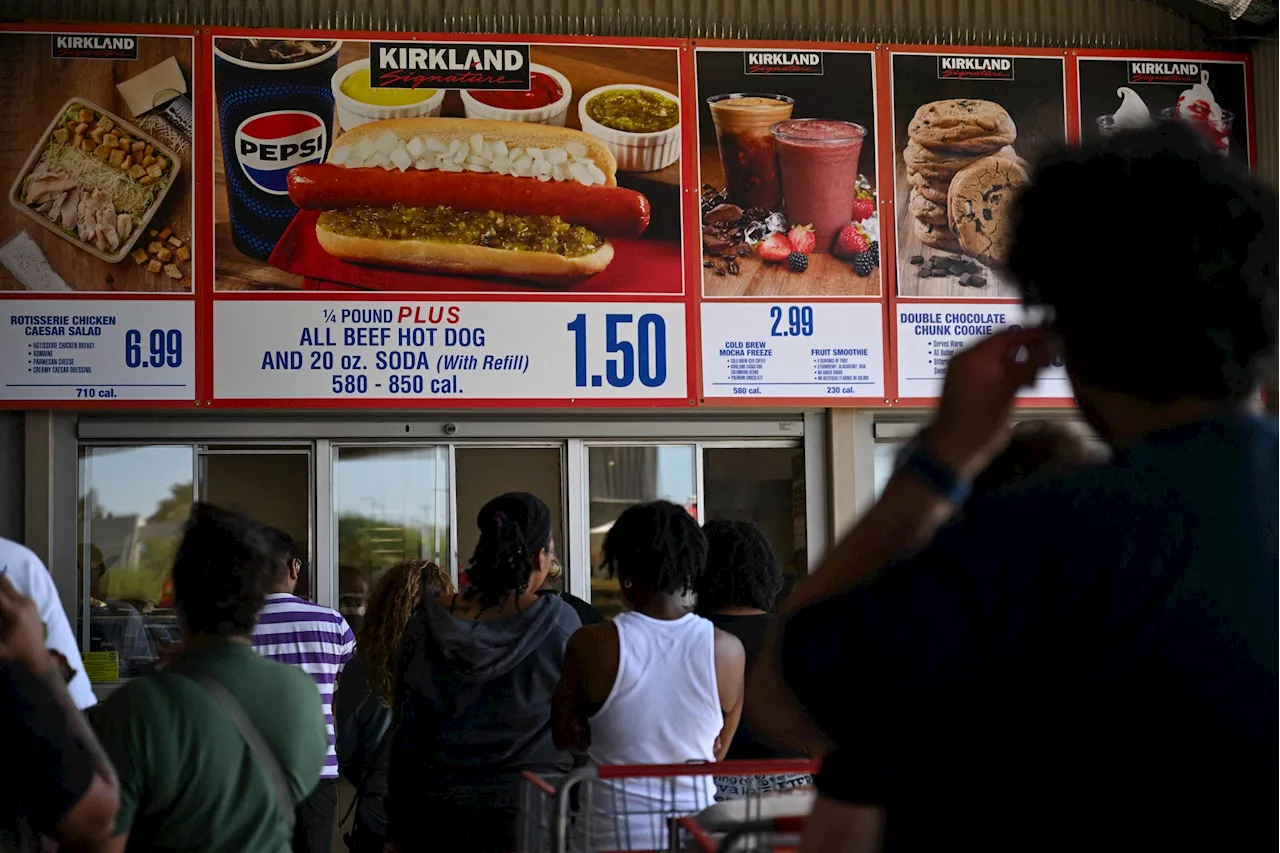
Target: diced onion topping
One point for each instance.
(475, 154)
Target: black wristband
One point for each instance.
(937, 476)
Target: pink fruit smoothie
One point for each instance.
(819, 162)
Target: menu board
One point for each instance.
(792, 284)
(517, 201)
(1128, 91)
(256, 218)
(968, 126)
(97, 275)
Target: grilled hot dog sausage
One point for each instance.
(608, 211)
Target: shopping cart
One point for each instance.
(610, 809)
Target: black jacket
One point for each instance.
(363, 732)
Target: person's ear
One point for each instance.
(294, 566)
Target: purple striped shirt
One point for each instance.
(315, 639)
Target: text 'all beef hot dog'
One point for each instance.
(610, 211)
(471, 196)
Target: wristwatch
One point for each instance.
(938, 476)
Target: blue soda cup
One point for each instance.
(275, 111)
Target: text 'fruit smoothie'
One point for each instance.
(747, 150)
(819, 160)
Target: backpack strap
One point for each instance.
(262, 754)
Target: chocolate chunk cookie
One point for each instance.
(937, 236)
(978, 205)
(933, 189)
(928, 212)
(963, 124)
(944, 162)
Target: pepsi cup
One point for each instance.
(275, 111)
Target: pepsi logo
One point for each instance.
(268, 145)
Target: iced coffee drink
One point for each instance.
(747, 150)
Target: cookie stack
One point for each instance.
(945, 138)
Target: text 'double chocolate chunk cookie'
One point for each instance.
(963, 124)
(978, 207)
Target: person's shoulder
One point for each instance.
(562, 613)
(290, 609)
(24, 569)
(139, 703)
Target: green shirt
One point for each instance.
(187, 778)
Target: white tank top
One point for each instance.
(664, 708)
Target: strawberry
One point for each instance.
(774, 248)
(802, 238)
(851, 241)
(863, 206)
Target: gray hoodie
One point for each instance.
(475, 702)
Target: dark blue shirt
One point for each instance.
(1086, 662)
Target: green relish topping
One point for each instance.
(441, 224)
(634, 110)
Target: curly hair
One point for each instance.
(658, 546)
(387, 613)
(742, 569)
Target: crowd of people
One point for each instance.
(1020, 646)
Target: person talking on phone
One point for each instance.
(1086, 660)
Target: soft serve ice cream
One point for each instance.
(1132, 114)
(1200, 108)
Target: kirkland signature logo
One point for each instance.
(1146, 71)
(975, 68)
(397, 65)
(782, 62)
(95, 47)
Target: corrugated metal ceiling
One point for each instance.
(1186, 24)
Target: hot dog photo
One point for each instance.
(97, 163)
(447, 167)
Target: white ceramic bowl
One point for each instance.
(353, 113)
(636, 152)
(553, 114)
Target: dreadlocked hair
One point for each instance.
(742, 569)
(387, 612)
(657, 546)
(501, 564)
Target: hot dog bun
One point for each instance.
(461, 259)
(513, 133)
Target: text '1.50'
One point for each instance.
(635, 350)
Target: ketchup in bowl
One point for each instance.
(543, 92)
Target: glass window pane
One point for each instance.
(622, 476)
(884, 458)
(486, 472)
(390, 504)
(134, 502)
(763, 485)
(272, 488)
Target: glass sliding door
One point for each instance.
(390, 504)
(619, 476)
(133, 504)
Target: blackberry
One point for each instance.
(799, 261)
(874, 251)
(863, 263)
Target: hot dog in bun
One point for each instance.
(471, 196)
